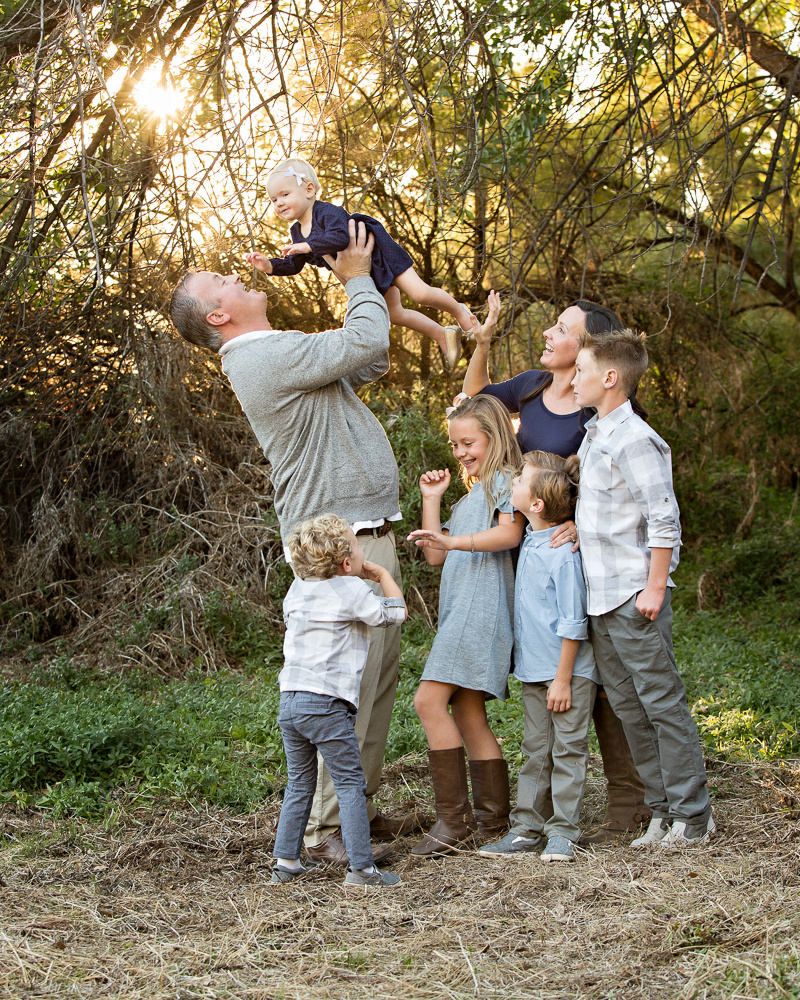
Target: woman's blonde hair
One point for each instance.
(300, 171)
(555, 483)
(319, 546)
(502, 455)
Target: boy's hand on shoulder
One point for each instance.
(650, 600)
(260, 262)
(434, 483)
(294, 248)
(559, 696)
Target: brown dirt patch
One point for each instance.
(177, 904)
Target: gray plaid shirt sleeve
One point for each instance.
(626, 506)
(327, 634)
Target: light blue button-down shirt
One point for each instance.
(549, 605)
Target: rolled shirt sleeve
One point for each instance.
(626, 507)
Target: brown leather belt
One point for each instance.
(378, 532)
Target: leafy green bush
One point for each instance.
(241, 632)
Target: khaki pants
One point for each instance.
(553, 776)
(375, 704)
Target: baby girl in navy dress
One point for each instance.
(321, 228)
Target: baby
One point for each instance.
(320, 228)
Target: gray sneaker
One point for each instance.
(685, 833)
(510, 845)
(282, 874)
(655, 833)
(374, 879)
(558, 849)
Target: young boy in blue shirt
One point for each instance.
(629, 531)
(555, 664)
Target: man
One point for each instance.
(329, 454)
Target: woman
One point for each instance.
(551, 421)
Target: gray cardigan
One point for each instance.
(328, 452)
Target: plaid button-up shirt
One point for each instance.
(327, 634)
(626, 506)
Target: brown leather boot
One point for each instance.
(625, 810)
(454, 820)
(490, 796)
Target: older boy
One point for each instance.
(629, 530)
(328, 611)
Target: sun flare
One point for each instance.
(162, 100)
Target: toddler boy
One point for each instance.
(328, 612)
(629, 531)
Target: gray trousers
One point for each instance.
(312, 723)
(638, 670)
(375, 704)
(553, 776)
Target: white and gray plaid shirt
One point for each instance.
(327, 634)
(626, 506)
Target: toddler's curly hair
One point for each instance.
(319, 546)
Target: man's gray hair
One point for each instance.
(189, 316)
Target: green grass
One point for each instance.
(82, 742)
(70, 738)
(742, 673)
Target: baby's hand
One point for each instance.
(260, 262)
(434, 483)
(559, 696)
(294, 248)
(431, 539)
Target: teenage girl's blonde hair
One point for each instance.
(555, 483)
(319, 546)
(502, 455)
(296, 171)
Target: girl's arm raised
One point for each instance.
(433, 485)
(505, 535)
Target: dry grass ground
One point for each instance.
(177, 904)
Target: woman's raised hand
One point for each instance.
(433, 484)
(483, 334)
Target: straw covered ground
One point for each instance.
(176, 903)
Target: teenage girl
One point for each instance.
(471, 654)
(321, 228)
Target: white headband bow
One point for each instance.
(291, 172)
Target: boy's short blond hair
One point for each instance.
(296, 170)
(319, 546)
(622, 350)
(555, 483)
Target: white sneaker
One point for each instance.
(656, 833)
(684, 833)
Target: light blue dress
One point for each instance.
(472, 648)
